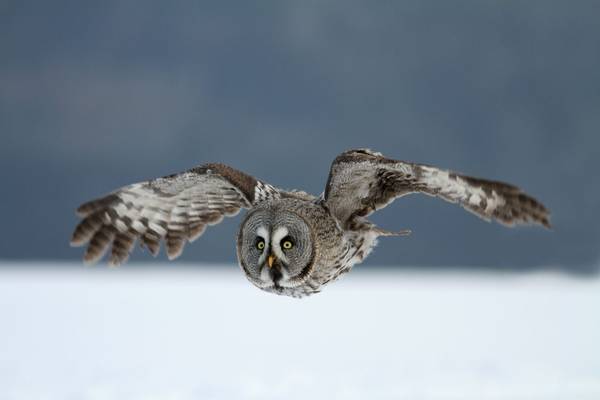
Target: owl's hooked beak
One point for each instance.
(270, 260)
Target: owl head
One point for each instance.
(275, 248)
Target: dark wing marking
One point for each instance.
(176, 208)
(361, 182)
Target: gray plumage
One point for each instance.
(290, 242)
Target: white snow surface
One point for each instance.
(206, 333)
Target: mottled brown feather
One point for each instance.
(175, 208)
(361, 182)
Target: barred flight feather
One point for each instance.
(361, 182)
(176, 209)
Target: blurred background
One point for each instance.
(96, 95)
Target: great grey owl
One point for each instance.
(290, 242)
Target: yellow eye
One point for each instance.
(260, 244)
(287, 244)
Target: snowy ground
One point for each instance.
(166, 333)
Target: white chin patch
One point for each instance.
(288, 282)
(265, 277)
(267, 281)
(285, 279)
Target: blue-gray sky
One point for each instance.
(97, 95)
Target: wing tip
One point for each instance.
(172, 255)
(76, 243)
(545, 222)
(116, 262)
(91, 259)
(92, 206)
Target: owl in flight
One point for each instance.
(290, 242)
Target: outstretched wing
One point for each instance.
(176, 208)
(361, 182)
